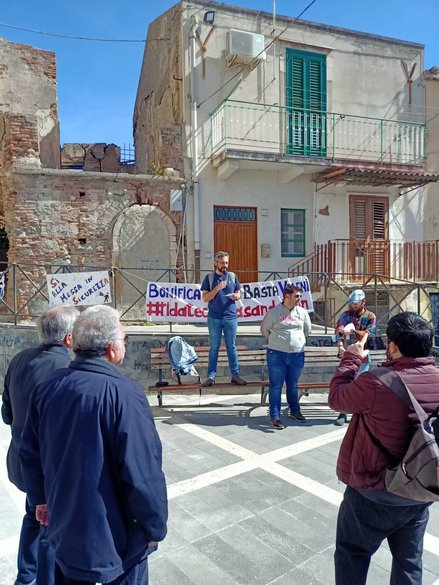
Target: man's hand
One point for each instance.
(222, 284)
(358, 349)
(41, 514)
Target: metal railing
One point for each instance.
(27, 295)
(282, 130)
(417, 261)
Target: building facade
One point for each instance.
(304, 145)
(78, 206)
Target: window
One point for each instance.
(292, 232)
(306, 103)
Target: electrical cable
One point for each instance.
(72, 37)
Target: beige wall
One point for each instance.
(365, 77)
(431, 225)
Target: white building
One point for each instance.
(303, 145)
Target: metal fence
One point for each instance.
(25, 293)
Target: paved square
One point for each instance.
(248, 504)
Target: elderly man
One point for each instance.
(28, 369)
(378, 435)
(91, 452)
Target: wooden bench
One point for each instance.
(320, 364)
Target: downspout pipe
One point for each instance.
(194, 145)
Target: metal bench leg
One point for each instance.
(264, 393)
(159, 398)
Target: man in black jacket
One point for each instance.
(26, 370)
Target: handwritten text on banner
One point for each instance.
(180, 302)
(79, 288)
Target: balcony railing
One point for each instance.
(351, 260)
(284, 131)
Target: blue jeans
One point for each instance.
(216, 327)
(363, 524)
(36, 558)
(284, 367)
(137, 575)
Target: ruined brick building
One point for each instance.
(77, 205)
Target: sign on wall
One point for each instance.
(79, 288)
(181, 302)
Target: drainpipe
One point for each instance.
(194, 146)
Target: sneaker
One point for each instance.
(341, 419)
(208, 382)
(238, 381)
(297, 416)
(277, 424)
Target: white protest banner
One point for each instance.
(181, 302)
(79, 288)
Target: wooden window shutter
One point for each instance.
(378, 220)
(359, 220)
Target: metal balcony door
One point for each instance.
(369, 242)
(236, 232)
(306, 103)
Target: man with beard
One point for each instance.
(220, 289)
(364, 325)
(379, 434)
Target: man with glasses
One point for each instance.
(92, 459)
(286, 328)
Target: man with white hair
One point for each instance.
(27, 369)
(91, 453)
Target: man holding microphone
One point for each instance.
(220, 289)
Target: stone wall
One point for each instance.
(52, 215)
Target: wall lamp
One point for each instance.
(209, 17)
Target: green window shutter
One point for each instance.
(306, 103)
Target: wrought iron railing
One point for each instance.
(285, 131)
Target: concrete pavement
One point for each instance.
(248, 505)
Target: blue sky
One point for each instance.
(97, 81)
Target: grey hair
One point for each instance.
(54, 324)
(95, 329)
(221, 254)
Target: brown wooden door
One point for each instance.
(236, 232)
(369, 240)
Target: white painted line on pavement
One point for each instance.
(16, 496)
(431, 543)
(267, 461)
(9, 545)
(307, 484)
(211, 477)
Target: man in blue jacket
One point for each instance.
(28, 369)
(220, 289)
(92, 461)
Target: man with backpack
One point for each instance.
(220, 289)
(378, 437)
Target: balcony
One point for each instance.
(351, 260)
(263, 129)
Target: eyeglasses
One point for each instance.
(298, 296)
(126, 340)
